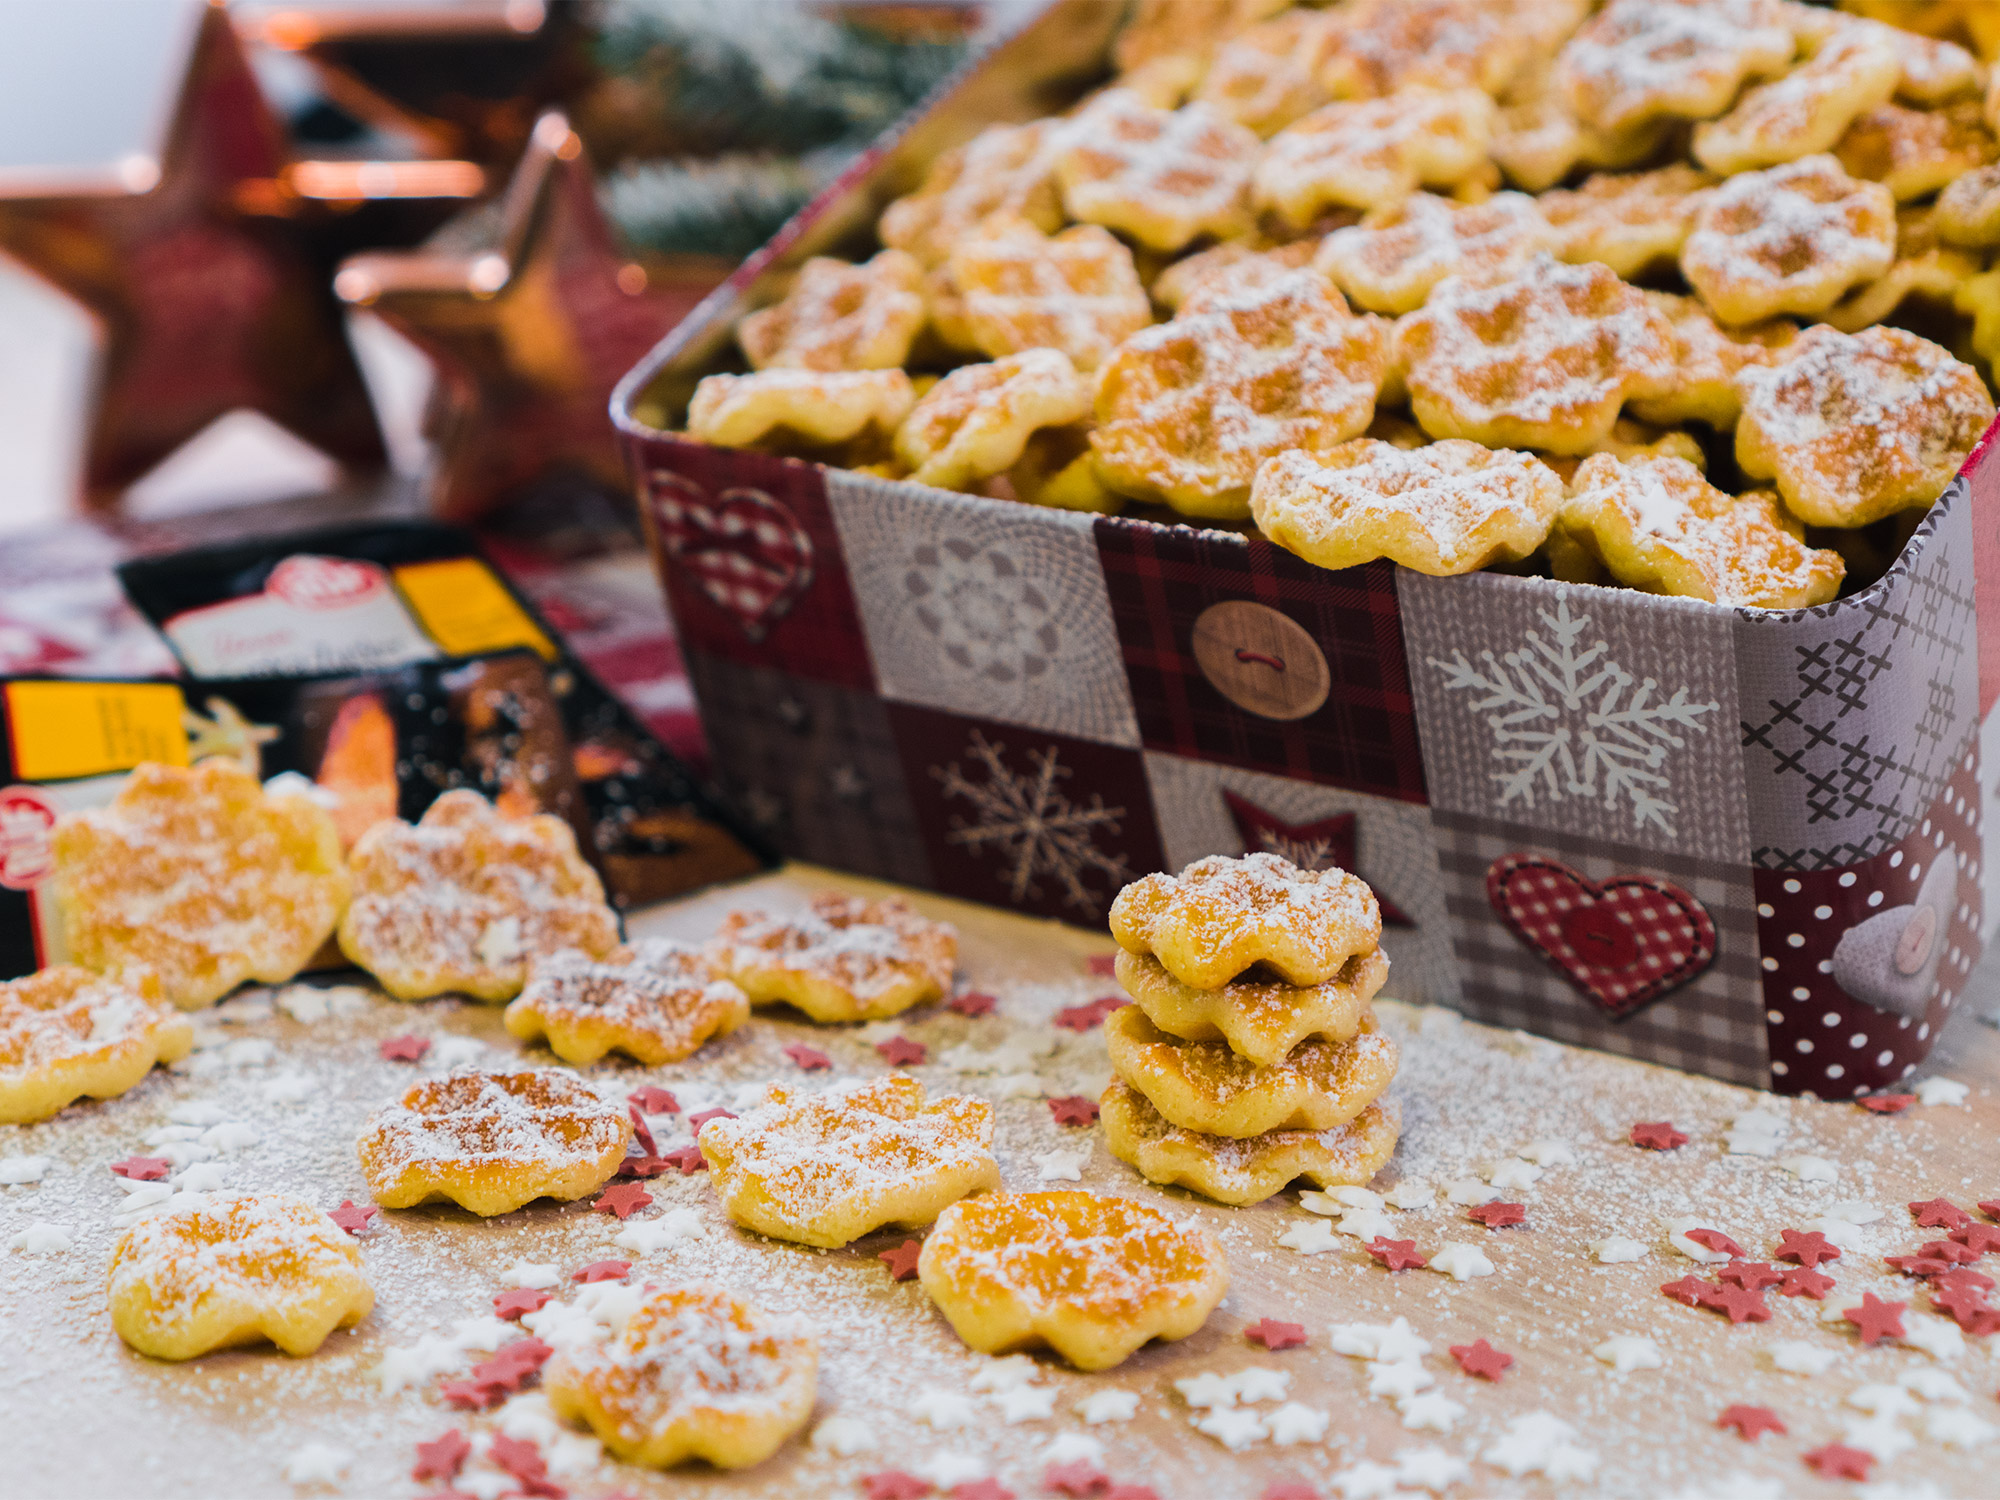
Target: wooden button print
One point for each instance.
(1261, 660)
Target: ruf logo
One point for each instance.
(27, 846)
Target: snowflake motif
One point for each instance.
(1307, 854)
(1563, 722)
(1038, 832)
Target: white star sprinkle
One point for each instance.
(1108, 1406)
(1367, 1481)
(1616, 1250)
(1797, 1357)
(1738, 1486)
(947, 1469)
(1880, 1400)
(530, 1418)
(1956, 1427)
(1060, 1165)
(1513, 1175)
(1941, 1091)
(1460, 1261)
(1935, 1336)
(1431, 1469)
(481, 1331)
(648, 1235)
(1430, 1411)
(1026, 1403)
(1254, 1383)
(1399, 1381)
(19, 1169)
(1068, 1447)
(1879, 1436)
(1932, 1384)
(430, 1355)
(41, 1238)
(1310, 1238)
(1538, 1442)
(1843, 1232)
(1810, 1168)
(845, 1436)
(1676, 1233)
(1386, 1341)
(1469, 1192)
(1207, 1389)
(1366, 1223)
(1413, 1193)
(1232, 1427)
(533, 1275)
(1293, 1423)
(1547, 1152)
(1628, 1352)
(1321, 1203)
(943, 1410)
(316, 1463)
(1853, 1211)
(1008, 1374)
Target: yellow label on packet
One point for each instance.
(63, 730)
(467, 609)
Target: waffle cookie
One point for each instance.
(656, 1001)
(66, 1033)
(845, 958)
(1260, 1018)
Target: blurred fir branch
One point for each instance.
(724, 205)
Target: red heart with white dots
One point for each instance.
(744, 549)
(1622, 942)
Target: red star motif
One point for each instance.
(1078, 1477)
(1716, 1240)
(352, 1216)
(1082, 1018)
(972, 1003)
(1959, 1303)
(1752, 1275)
(1397, 1255)
(1498, 1215)
(642, 1131)
(1481, 1359)
(1103, 965)
(1323, 844)
(142, 1168)
(688, 1159)
(1739, 1304)
(695, 1122)
(1132, 1492)
(809, 1058)
(1074, 1110)
(902, 1261)
(1990, 1207)
(1751, 1422)
(441, 1456)
(1274, 1335)
(1689, 1289)
(902, 1052)
(1917, 1265)
(1939, 1213)
(981, 1489)
(894, 1484)
(1658, 1135)
(654, 1101)
(1289, 1491)
(513, 1364)
(1949, 1251)
(1980, 1239)
(1981, 1322)
(1835, 1462)
(404, 1048)
(521, 1299)
(1960, 1276)
(623, 1199)
(602, 1270)
(1877, 1320)
(473, 1395)
(646, 1166)
(517, 1456)
(1887, 1104)
(1806, 1249)
(1804, 1281)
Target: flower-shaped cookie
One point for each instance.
(1056, 469)
(1915, 152)
(200, 876)
(1228, 270)
(1792, 239)
(1221, 915)
(1856, 68)
(1934, 71)
(825, 1169)
(1390, 261)
(1187, 410)
(656, 1000)
(974, 423)
(1922, 268)
(465, 899)
(1706, 359)
(798, 408)
(235, 1268)
(694, 1373)
(1658, 525)
(1629, 221)
(1090, 1277)
(1640, 60)
(1378, 48)
(66, 1032)
(1205, 1086)
(1538, 140)
(840, 317)
(1269, 76)
(491, 1142)
(1077, 291)
(1260, 1020)
(1005, 169)
(1854, 427)
(1184, 30)
(1373, 152)
(1159, 176)
(1542, 360)
(846, 958)
(1968, 212)
(1247, 1171)
(1447, 507)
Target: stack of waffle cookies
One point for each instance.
(1249, 1057)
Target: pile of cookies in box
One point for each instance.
(1689, 296)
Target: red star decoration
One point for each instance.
(1481, 1359)
(1807, 1249)
(1132, 1492)
(1274, 1335)
(1917, 1265)
(1658, 1135)
(1103, 965)
(1323, 844)
(1990, 1207)
(1887, 1104)
(1074, 1110)
(981, 1489)
(809, 1058)
(901, 1052)
(642, 1131)
(1716, 1240)
(1980, 1239)
(1960, 1276)
(1397, 1255)
(518, 1457)
(1836, 1462)
(1498, 1215)
(1078, 1477)
(1939, 1213)
(473, 1395)
(1739, 1304)
(142, 1168)
(646, 1166)
(687, 1158)
(902, 1261)
(695, 1122)
(1981, 1322)
(972, 1003)
(1804, 1281)
(623, 1199)
(1082, 1018)
(1751, 1422)
(1877, 1320)
(1949, 1251)
(1959, 1303)
(1689, 1289)
(654, 1101)
(894, 1484)
(441, 1456)
(352, 1216)
(521, 1299)
(1752, 1275)
(404, 1048)
(513, 1364)
(602, 1270)
(1285, 1490)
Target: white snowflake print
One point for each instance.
(1038, 832)
(1307, 854)
(1568, 721)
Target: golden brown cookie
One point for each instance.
(1390, 261)
(66, 1032)
(976, 421)
(1005, 169)
(1706, 359)
(1077, 291)
(1159, 177)
(1630, 221)
(1225, 271)
(1378, 48)
(1923, 268)
(1057, 468)
(797, 409)
(840, 317)
(1915, 152)
(1806, 111)
(1640, 60)
(846, 958)
(1372, 152)
(1260, 1019)
(1968, 212)
(1268, 76)
(656, 1001)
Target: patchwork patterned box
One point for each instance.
(1745, 843)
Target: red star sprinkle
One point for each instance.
(809, 1058)
(521, 1299)
(1716, 1240)
(1077, 1477)
(972, 1003)
(642, 1132)
(1887, 1104)
(1397, 1255)
(902, 1261)
(474, 1395)
(1949, 1251)
(1659, 1135)
(1835, 1462)
(981, 1489)
(1876, 1319)
(695, 1122)
(1074, 1110)
(142, 1168)
(602, 1270)
(894, 1484)
(1981, 1322)
(1274, 1335)
(1738, 1304)
(1960, 1276)
(646, 1166)
(1804, 1281)
(513, 1364)
(1481, 1359)
(1917, 1265)
(1751, 1422)
(1939, 1213)
(1981, 1239)
(1498, 1215)
(451, 1495)
(1752, 1275)
(1284, 1491)
(623, 1199)
(517, 1456)
(441, 1456)
(352, 1216)
(654, 1101)
(1132, 1492)
(1990, 1207)
(1081, 1018)
(902, 1052)
(1104, 965)
(1806, 1249)
(1689, 1289)
(688, 1159)
(405, 1048)
(1959, 1303)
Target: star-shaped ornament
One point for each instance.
(971, 1003)
(1804, 1281)
(1887, 1104)
(696, 1121)
(1324, 844)
(623, 1199)
(902, 1052)
(1739, 1304)
(1875, 1319)
(1481, 1359)
(1498, 1215)
(1807, 1249)
(441, 1456)
(1658, 1135)
(1837, 1462)
(1939, 1213)
(1079, 1477)
(1752, 1275)
(352, 1216)
(1751, 1422)
(1691, 1290)
(902, 1260)
(602, 1270)
(687, 1159)
(142, 1168)
(405, 1048)
(1274, 1335)
(809, 1058)
(1396, 1255)
(518, 1301)
(1075, 1109)
(654, 1101)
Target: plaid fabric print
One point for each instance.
(1161, 579)
(752, 563)
(1713, 1023)
(1622, 943)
